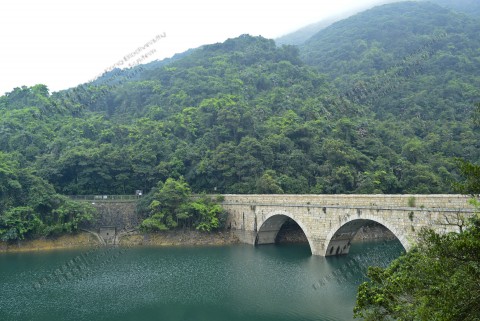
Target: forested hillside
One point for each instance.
(377, 103)
(470, 7)
(300, 36)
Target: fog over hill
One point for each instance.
(298, 37)
(379, 102)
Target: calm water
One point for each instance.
(269, 282)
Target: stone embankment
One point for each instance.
(132, 238)
(177, 238)
(78, 240)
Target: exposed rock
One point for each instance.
(78, 240)
(177, 238)
(374, 231)
(125, 238)
(291, 236)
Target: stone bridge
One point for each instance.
(331, 221)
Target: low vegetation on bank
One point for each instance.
(171, 205)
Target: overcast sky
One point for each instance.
(63, 43)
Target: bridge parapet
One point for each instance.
(331, 221)
(105, 198)
(451, 201)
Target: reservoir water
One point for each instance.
(240, 282)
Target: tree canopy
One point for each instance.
(171, 205)
(438, 280)
(356, 109)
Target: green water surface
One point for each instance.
(241, 282)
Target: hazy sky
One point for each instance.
(65, 43)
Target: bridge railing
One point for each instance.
(128, 197)
(104, 197)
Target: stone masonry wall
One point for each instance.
(352, 200)
(328, 221)
(331, 221)
(119, 214)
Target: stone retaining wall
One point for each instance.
(121, 215)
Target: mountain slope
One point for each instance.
(301, 35)
(382, 35)
(246, 116)
(470, 7)
(409, 59)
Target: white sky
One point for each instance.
(63, 43)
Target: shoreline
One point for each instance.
(178, 238)
(78, 240)
(83, 239)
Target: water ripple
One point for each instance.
(265, 283)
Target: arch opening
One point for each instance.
(278, 228)
(340, 240)
(291, 232)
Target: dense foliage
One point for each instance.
(299, 37)
(428, 74)
(470, 181)
(470, 7)
(29, 206)
(357, 109)
(436, 281)
(172, 205)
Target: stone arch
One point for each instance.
(339, 238)
(271, 225)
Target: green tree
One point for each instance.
(268, 185)
(470, 183)
(18, 222)
(30, 207)
(476, 115)
(207, 214)
(167, 208)
(172, 205)
(438, 280)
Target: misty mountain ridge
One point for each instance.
(376, 103)
(300, 36)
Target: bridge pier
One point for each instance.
(244, 236)
(338, 247)
(317, 246)
(330, 222)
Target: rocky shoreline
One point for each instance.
(178, 238)
(72, 241)
(374, 231)
(86, 240)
